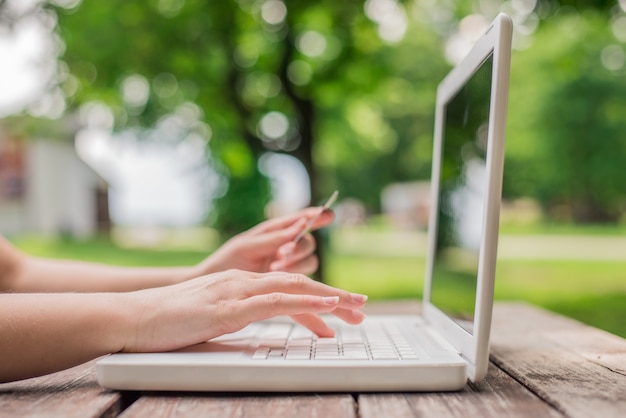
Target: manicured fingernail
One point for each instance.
(330, 300)
(287, 249)
(278, 265)
(358, 298)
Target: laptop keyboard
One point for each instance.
(373, 341)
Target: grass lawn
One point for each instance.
(593, 292)
(104, 251)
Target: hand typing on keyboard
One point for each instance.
(374, 340)
(200, 309)
(80, 311)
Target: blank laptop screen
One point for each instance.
(462, 192)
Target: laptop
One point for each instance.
(438, 350)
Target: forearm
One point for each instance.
(43, 333)
(22, 273)
(45, 275)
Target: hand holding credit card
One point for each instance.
(311, 221)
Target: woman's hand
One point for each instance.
(46, 332)
(197, 310)
(270, 246)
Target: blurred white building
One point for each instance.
(46, 189)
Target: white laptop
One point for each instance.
(437, 351)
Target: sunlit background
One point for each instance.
(173, 124)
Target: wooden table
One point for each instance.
(542, 365)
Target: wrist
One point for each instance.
(135, 313)
(122, 315)
(212, 264)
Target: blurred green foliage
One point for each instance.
(354, 105)
(359, 109)
(567, 131)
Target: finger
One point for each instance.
(317, 325)
(266, 306)
(274, 233)
(307, 265)
(292, 253)
(314, 323)
(319, 219)
(299, 249)
(288, 249)
(279, 223)
(323, 219)
(351, 316)
(276, 238)
(300, 284)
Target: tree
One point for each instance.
(337, 96)
(566, 134)
(346, 87)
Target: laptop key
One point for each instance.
(261, 353)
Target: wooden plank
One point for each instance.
(68, 394)
(578, 369)
(569, 369)
(497, 396)
(241, 406)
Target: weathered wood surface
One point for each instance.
(70, 393)
(579, 370)
(542, 365)
(497, 396)
(227, 406)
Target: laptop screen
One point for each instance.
(462, 193)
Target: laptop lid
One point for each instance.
(467, 168)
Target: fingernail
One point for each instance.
(358, 298)
(287, 250)
(278, 265)
(330, 300)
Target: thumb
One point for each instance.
(277, 238)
